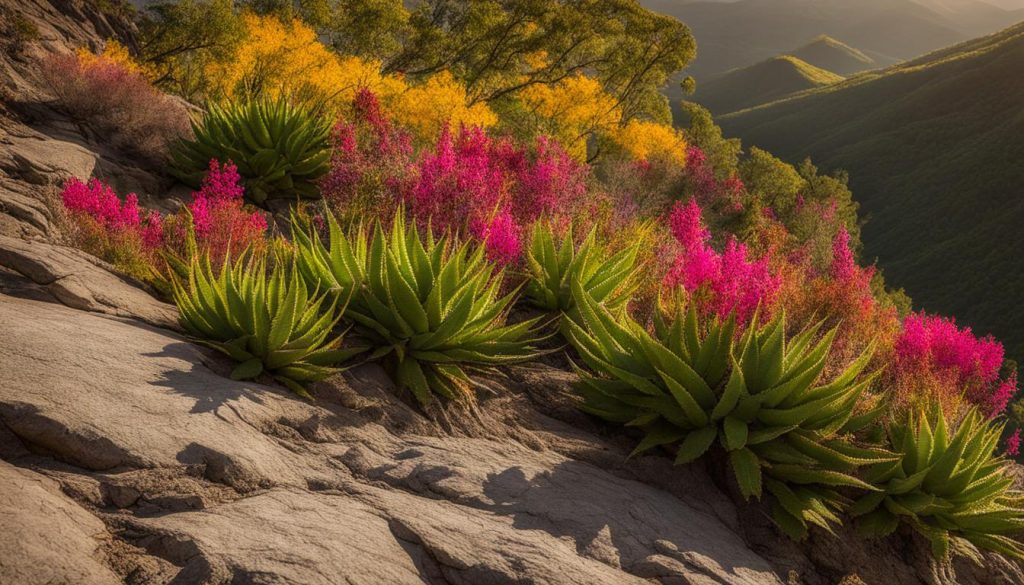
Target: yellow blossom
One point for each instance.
(645, 140)
(439, 100)
(572, 111)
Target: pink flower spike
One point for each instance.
(1013, 444)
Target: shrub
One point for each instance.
(646, 141)
(371, 162)
(275, 59)
(221, 225)
(720, 283)
(439, 101)
(430, 307)
(281, 150)
(116, 100)
(265, 321)
(759, 396)
(554, 266)
(100, 223)
(469, 177)
(936, 359)
(952, 488)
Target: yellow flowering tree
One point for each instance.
(286, 58)
(115, 52)
(425, 108)
(572, 111)
(645, 140)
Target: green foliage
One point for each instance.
(493, 47)
(951, 487)
(701, 131)
(552, 266)
(280, 149)
(266, 322)
(180, 39)
(431, 307)
(758, 396)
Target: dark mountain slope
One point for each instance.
(764, 82)
(737, 34)
(836, 56)
(934, 149)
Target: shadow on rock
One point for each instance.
(207, 382)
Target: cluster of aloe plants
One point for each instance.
(433, 310)
(757, 398)
(280, 149)
(267, 320)
(433, 307)
(554, 263)
(950, 487)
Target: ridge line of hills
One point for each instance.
(933, 148)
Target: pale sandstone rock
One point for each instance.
(81, 281)
(46, 537)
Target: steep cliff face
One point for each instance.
(127, 455)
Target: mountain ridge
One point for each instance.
(933, 148)
(760, 83)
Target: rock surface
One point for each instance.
(227, 480)
(57, 540)
(82, 282)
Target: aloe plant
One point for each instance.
(759, 397)
(280, 150)
(949, 486)
(553, 265)
(431, 307)
(268, 322)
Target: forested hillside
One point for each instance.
(764, 82)
(933, 148)
(737, 34)
(836, 56)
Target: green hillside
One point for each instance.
(832, 55)
(934, 148)
(764, 82)
(738, 34)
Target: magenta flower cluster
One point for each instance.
(99, 201)
(371, 159)
(706, 187)
(220, 222)
(933, 344)
(493, 187)
(721, 283)
(1013, 444)
(113, 217)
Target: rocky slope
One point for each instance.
(127, 456)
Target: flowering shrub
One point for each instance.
(936, 357)
(100, 223)
(371, 160)
(705, 187)
(474, 182)
(720, 283)
(502, 239)
(219, 222)
(111, 94)
(439, 101)
(285, 59)
(1013, 444)
(572, 111)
